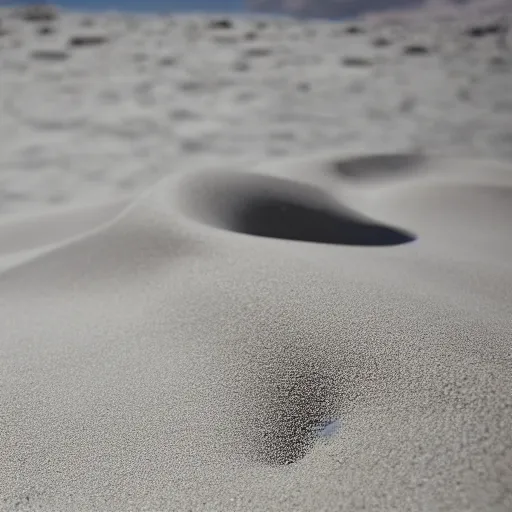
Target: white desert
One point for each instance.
(254, 263)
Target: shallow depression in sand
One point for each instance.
(379, 166)
(277, 208)
(294, 413)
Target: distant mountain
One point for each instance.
(329, 8)
(350, 8)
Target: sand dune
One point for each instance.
(170, 358)
(193, 320)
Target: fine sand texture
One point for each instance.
(214, 299)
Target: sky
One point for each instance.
(146, 5)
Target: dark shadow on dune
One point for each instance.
(278, 208)
(291, 399)
(478, 31)
(278, 218)
(296, 409)
(379, 166)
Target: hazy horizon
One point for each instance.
(145, 6)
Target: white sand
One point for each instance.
(251, 277)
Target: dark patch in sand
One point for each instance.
(479, 31)
(296, 408)
(49, 55)
(357, 62)
(283, 209)
(381, 42)
(354, 30)
(221, 24)
(379, 166)
(416, 50)
(87, 40)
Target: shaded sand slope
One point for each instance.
(351, 352)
